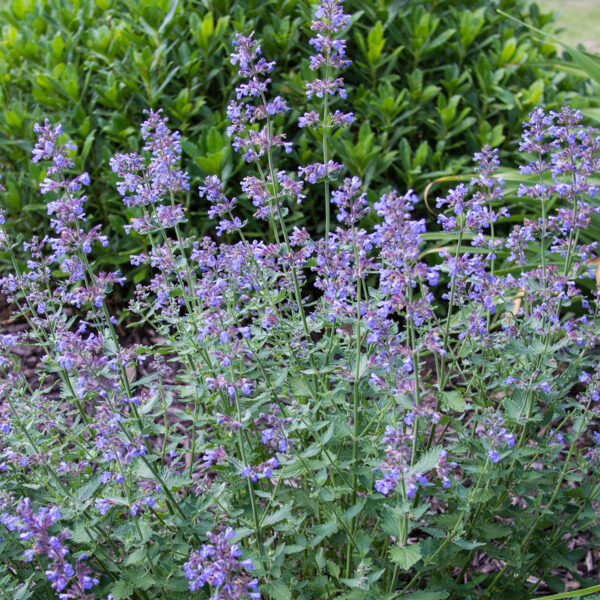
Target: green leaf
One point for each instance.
(208, 25)
(18, 7)
(439, 40)
(191, 149)
(81, 535)
(363, 542)
(321, 532)
(144, 581)
(299, 387)
(279, 515)
(493, 531)
(405, 556)
(57, 46)
(375, 43)
(572, 594)
(26, 590)
(122, 590)
(425, 595)
(466, 544)
(169, 16)
(354, 510)
(137, 556)
(586, 61)
(535, 92)
(454, 400)
(404, 152)
(277, 590)
(391, 523)
(421, 154)
(320, 558)
(333, 569)
(510, 47)
(428, 461)
(87, 491)
(214, 140)
(13, 119)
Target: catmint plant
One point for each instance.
(362, 415)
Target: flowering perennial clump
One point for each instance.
(217, 564)
(358, 415)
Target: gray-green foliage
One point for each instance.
(433, 82)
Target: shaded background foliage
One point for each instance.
(432, 81)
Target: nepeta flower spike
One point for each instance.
(330, 56)
(217, 564)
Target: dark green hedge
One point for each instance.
(431, 82)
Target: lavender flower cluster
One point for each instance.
(217, 564)
(71, 583)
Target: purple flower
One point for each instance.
(495, 435)
(330, 52)
(351, 203)
(554, 436)
(213, 457)
(494, 456)
(61, 574)
(217, 564)
(272, 428)
(311, 173)
(253, 69)
(593, 454)
(308, 119)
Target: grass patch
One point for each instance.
(580, 20)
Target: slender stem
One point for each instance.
(326, 149)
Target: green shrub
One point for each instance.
(434, 81)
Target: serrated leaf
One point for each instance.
(428, 461)
(87, 491)
(363, 542)
(81, 535)
(321, 532)
(391, 524)
(122, 590)
(293, 548)
(493, 531)
(405, 556)
(354, 510)
(333, 569)
(279, 515)
(137, 556)
(454, 400)
(299, 387)
(26, 590)
(144, 581)
(320, 558)
(277, 590)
